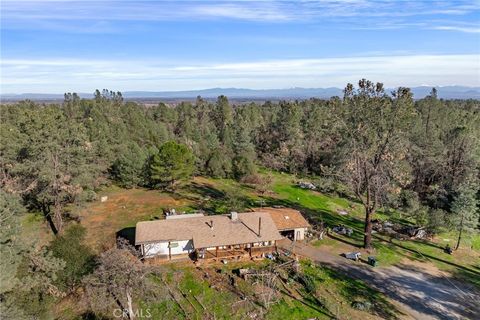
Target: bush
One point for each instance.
(325, 184)
(243, 166)
(437, 220)
(235, 202)
(308, 282)
(88, 196)
(261, 183)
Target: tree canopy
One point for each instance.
(172, 163)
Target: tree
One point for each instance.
(223, 117)
(79, 258)
(465, 208)
(108, 95)
(11, 249)
(172, 163)
(218, 165)
(117, 281)
(444, 149)
(242, 167)
(234, 201)
(244, 149)
(128, 167)
(36, 288)
(373, 149)
(51, 165)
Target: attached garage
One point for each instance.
(289, 222)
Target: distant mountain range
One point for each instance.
(447, 92)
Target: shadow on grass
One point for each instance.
(468, 277)
(330, 219)
(429, 256)
(205, 191)
(343, 240)
(310, 302)
(211, 199)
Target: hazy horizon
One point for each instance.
(65, 46)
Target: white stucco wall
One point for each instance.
(161, 248)
(300, 233)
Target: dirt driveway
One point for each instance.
(419, 292)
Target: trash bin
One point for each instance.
(372, 261)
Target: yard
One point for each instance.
(126, 207)
(335, 291)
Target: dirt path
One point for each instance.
(422, 292)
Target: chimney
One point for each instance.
(211, 224)
(259, 227)
(234, 216)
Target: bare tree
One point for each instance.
(120, 276)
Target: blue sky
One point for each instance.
(60, 46)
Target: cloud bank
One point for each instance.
(58, 76)
(73, 15)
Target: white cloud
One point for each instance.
(459, 28)
(14, 10)
(58, 76)
(101, 17)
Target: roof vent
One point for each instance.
(234, 216)
(286, 217)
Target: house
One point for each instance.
(204, 237)
(289, 222)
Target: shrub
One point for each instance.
(308, 282)
(242, 166)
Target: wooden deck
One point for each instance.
(210, 254)
(214, 255)
(237, 253)
(256, 251)
(160, 259)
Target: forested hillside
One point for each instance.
(385, 150)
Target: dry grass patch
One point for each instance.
(123, 209)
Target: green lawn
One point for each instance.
(321, 207)
(292, 309)
(325, 208)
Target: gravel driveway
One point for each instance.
(419, 293)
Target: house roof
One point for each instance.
(224, 231)
(286, 218)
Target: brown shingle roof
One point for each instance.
(224, 232)
(286, 218)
